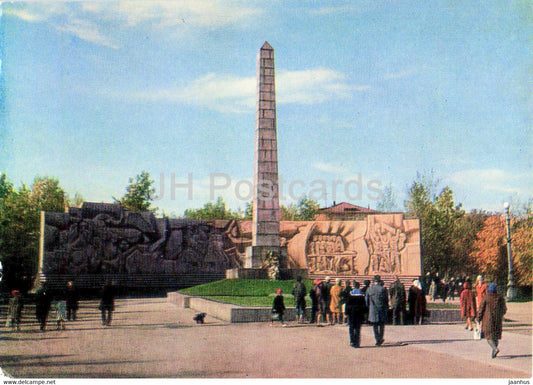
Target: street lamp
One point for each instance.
(511, 290)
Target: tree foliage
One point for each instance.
(522, 250)
(19, 225)
(217, 210)
(489, 252)
(438, 216)
(387, 203)
(139, 193)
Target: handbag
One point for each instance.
(477, 331)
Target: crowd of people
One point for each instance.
(344, 302)
(347, 302)
(62, 305)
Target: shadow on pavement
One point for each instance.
(20, 358)
(422, 342)
(510, 357)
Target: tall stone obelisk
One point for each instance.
(266, 212)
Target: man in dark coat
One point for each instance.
(397, 301)
(314, 301)
(377, 301)
(43, 301)
(491, 311)
(72, 301)
(107, 302)
(355, 310)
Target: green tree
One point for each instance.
(465, 233)
(217, 210)
(290, 212)
(308, 209)
(387, 203)
(248, 211)
(438, 215)
(19, 225)
(139, 193)
(48, 195)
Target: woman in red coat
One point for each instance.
(491, 313)
(468, 305)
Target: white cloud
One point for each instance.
(331, 168)
(83, 19)
(87, 31)
(228, 93)
(199, 13)
(313, 86)
(495, 180)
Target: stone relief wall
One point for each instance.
(381, 244)
(101, 238)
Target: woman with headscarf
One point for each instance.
(468, 305)
(491, 311)
(481, 290)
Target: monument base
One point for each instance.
(285, 274)
(255, 255)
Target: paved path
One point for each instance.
(151, 338)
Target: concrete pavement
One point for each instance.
(152, 338)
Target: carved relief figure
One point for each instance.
(326, 253)
(385, 246)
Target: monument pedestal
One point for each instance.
(255, 255)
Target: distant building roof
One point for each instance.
(345, 209)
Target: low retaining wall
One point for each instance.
(236, 314)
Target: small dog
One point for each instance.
(199, 318)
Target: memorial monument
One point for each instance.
(266, 212)
(100, 241)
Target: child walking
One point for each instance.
(14, 311)
(278, 308)
(61, 314)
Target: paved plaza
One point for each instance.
(150, 338)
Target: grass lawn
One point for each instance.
(261, 292)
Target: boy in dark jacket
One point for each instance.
(278, 308)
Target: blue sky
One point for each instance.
(368, 94)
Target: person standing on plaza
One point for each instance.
(314, 301)
(481, 290)
(326, 295)
(397, 301)
(355, 312)
(321, 303)
(278, 308)
(299, 292)
(43, 301)
(14, 313)
(417, 303)
(335, 302)
(61, 313)
(433, 291)
(377, 301)
(491, 311)
(348, 287)
(72, 301)
(107, 302)
(443, 290)
(468, 305)
(451, 286)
